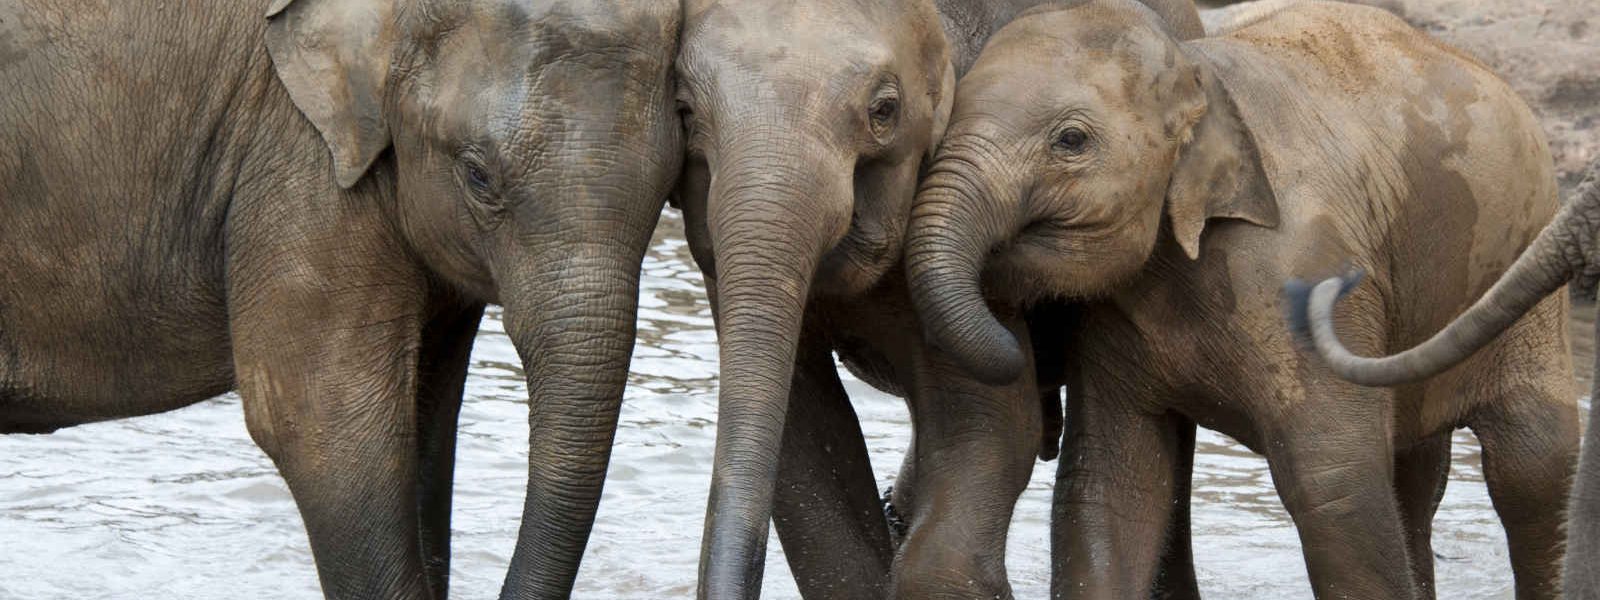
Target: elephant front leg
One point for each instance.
(972, 454)
(826, 507)
(446, 351)
(1113, 499)
(1176, 578)
(329, 391)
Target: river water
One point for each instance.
(183, 505)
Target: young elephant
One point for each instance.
(311, 202)
(1173, 187)
(809, 123)
(1566, 251)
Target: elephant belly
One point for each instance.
(60, 367)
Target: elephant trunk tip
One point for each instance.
(992, 354)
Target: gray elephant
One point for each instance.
(311, 201)
(1566, 251)
(1172, 187)
(808, 123)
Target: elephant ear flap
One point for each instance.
(944, 102)
(333, 56)
(1218, 173)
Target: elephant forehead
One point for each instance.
(792, 36)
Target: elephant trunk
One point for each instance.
(773, 213)
(952, 230)
(571, 318)
(1562, 251)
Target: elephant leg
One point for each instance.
(1530, 448)
(1176, 578)
(972, 453)
(1113, 498)
(1333, 465)
(826, 509)
(1421, 473)
(1581, 576)
(329, 389)
(442, 374)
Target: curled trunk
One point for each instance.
(949, 241)
(572, 322)
(1560, 253)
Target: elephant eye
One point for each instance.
(478, 179)
(883, 111)
(1071, 140)
(475, 176)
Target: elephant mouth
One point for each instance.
(856, 264)
(1047, 234)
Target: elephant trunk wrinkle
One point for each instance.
(945, 251)
(575, 339)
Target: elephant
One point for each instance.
(311, 202)
(1169, 188)
(807, 125)
(1565, 252)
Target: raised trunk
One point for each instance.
(949, 240)
(1562, 251)
(572, 321)
(773, 214)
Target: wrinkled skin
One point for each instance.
(807, 125)
(1566, 251)
(1320, 132)
(311, 203)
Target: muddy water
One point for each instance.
(183, 505)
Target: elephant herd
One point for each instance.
(973, 204)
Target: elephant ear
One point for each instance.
(944, 102)
(334, 57)
(1218, 173)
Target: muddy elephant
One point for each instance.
(311, 201)
(1566, 251)
(807, 125)
(1171, 187)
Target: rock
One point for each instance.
(1548, 51)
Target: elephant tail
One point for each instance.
(1558, 255)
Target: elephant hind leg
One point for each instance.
(1529, 435)
(1421, 473)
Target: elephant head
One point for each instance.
(807, 125)
(1082, 137)
(532, 144)
(1567, 250)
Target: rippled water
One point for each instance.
(183, 505)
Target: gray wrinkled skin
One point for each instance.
(808, 123)
(1172, 187)
(311, 202)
